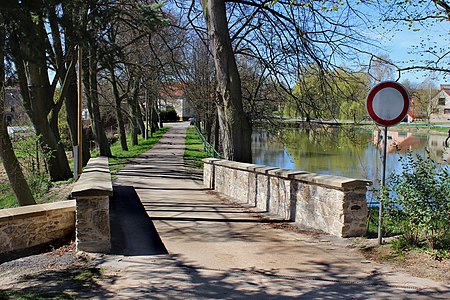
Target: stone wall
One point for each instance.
(333, 204)
(92, 192)
(29, 226)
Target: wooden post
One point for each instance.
(78, 153)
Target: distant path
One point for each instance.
(196, 245)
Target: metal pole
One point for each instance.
(146, 114)
(383, 182)
(79, 158)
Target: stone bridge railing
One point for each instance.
(332, 204)
(92, 192)
(23, 228)
(26, 227)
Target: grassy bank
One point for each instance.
(194, 152)
(120, 158)
(59, 190)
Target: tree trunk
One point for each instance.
(90, 83)
(35, 87)
(119, 115)
(235, 127)
(140, 119)
(30, 60)
(133, 103)
(9, 159)
(217, 145)
(208, 129)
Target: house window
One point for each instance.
(441, 101)
(447, 111)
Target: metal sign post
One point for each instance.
(387, 104)
(383, 182)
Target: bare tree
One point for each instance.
(419, 16)
(31, 52)
(235, 127)
(8, 157)
(285, 38)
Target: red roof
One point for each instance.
(446, 88)
(174, 90)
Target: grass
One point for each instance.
(40, 186)
(121, 158)
(88, 275)
(7, 197)
(372, 227)
(194, 152)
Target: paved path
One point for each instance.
(186, 242)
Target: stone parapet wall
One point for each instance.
(25, 227)
(92, 192)
(333, 204)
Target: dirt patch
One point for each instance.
(57, 193)
(419, 264)
(58, 274)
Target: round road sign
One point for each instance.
(387, 103)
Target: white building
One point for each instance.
(173, 94)
(441, 105)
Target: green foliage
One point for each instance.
(32, 161)
(63, 128)
(439, 254)
(327, 95)
(151, 15)
(88, 275)
(401, 245)
(388, 227)
(418, 202)
(169, 115)
(194, 152)
(7, 196)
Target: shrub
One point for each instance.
(419, 202)
(169, 115)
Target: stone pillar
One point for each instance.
(92, 191)
(92, 225)
(209, 175)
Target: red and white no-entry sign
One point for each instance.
(387, 103)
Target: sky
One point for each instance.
(401, 44)
(400, 48)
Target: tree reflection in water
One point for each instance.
(354, 152)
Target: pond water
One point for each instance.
(355, 153)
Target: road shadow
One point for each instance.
(175, 277)
(132, 230)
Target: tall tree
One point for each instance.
(30, 49)
(235, 127)
(285, 37)
(8, 157)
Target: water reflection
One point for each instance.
(352, 153)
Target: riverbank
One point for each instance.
(419, 127)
